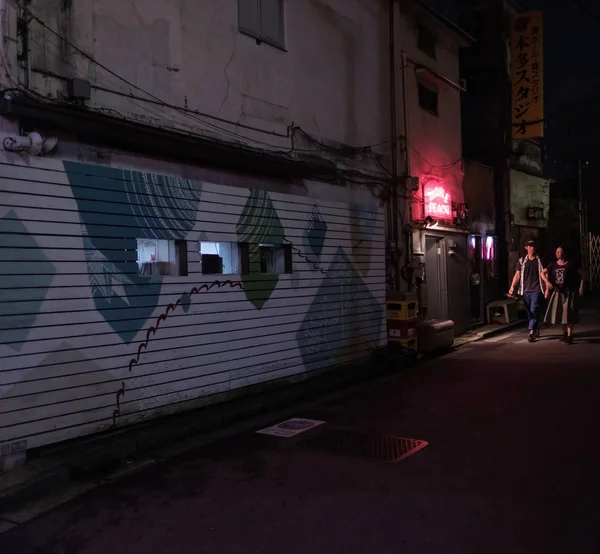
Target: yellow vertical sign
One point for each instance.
(527, 71)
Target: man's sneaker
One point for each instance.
(531, 337)
(569, 340)
(537, 334)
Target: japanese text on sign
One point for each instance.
(527, 76)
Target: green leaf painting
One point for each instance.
(259, 224)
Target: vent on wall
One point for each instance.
(79, 89)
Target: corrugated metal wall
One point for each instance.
(87, 343)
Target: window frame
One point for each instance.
(422, 87)
(258, 34)
(236, 252)
(288, 268)
(176, 253)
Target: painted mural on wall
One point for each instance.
(142, 344)
(338, 316)
(362, 237)
(259, 224)
(117, 207)
(24, 285)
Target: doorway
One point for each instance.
(457, 275)
(435, 278)
(476, 278)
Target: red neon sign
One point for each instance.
(438, 203)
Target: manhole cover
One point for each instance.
(374, 448)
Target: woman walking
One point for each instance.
(566, 283)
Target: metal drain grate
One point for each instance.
(374, 448)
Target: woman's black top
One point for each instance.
(564, 278)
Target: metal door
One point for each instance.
(435, 278)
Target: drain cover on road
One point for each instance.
(291, 427)
(374, 448)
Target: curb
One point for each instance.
(483, 335)
(502, 330)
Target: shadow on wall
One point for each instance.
(22, 293)
(342, 298)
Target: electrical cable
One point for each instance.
(345, 149)
(185, 113)
(369, 181)
(130, 84)
(374, 184)
(434, 166)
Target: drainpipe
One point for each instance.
(394, 215)
(3, 59)
(503, 194)
(24, 24)
(405, 108)
(407, 172)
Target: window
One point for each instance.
(275, 258)
(428, 99)
(426, 41)
(161, 257)
(219, 258)
(262, 20)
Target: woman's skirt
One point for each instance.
(562, 309)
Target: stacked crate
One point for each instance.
(402, 319)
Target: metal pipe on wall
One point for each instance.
(405, 109)
(394, 214)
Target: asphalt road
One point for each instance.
(512, 466)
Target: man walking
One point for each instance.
(530, 276)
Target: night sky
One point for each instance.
(570, 49)
(571, 57)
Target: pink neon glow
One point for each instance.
(488, 250)
(438, 203)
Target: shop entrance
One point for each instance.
(476, 278)
(435, 276)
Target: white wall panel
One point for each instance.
(80, 350)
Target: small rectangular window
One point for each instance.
(428, 99)
(262, 20)
(162, 257)
(219, 258)
(426, 41)
(275, 259)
